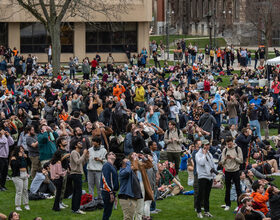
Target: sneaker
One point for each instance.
(27, 207)
(80, 212)
(199, 215)
(208, 214)
(50, 197)
(18, 209)
(227, 208)
(223, 206)
(66, 206)
(61, 206)
(158, 210)
(154, 212)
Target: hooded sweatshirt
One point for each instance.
(232, 165)
(207, 122)
(204, 164)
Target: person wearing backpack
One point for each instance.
(173, 139)
(231, 160)
(263, 118)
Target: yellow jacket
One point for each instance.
(139, 94)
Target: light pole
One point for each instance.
(168, 15)
(167, 29)
(209, 16)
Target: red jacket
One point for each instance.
(206, 85)
(94, 63)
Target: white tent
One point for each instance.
(273, 62)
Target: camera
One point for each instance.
(214, 171)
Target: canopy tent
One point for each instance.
(273, 62)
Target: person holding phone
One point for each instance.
(231, 160)
(97, 157)
(205, 169)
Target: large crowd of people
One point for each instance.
(128, 131)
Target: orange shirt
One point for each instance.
(219, 54)
(118, 90)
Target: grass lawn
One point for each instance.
(178, 207)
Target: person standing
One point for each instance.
(76, 166)
(197, 145)
(46, 140)
(72, 68)
(173, 139)
(57, 175)
(50, 54)
(139, 98)
(231, 160)
(204, 168)
(33, 150)
(20, 178)
(97, 154)
(243, 140)
(5, 142)
(130, 189)
(109, 185)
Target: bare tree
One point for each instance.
(264, 16)
(51, 13)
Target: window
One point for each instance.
(67, 37)
(4, 34)
(202, 8)
(111, 37)
(34, 38)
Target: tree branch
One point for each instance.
(33, 11)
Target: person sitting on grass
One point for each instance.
(165, 186)
(260, 200)
(41, 186)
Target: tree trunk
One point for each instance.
(56, 47)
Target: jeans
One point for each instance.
(72, 73)
(11, 87)
(77, 191)
(108, 206)
(3, 171)
(175, 157)
(256, 124)
(21, 184)
(94, 178)
(58, 185)
(256, 63)
(233, 121)
(204, 189)
(235, 177)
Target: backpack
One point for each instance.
(236, 150)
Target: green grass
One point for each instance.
(178, 207)
(172, 38)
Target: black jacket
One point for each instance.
(16, 165)
(243, 142)
(274, 204)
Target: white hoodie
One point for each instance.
(204, 164)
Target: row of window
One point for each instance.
(4, 34)
(100, 37)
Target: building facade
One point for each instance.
(79, 37)
(223, 18)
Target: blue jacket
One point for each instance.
(126, 180)
(109, 180)
(128, 148)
